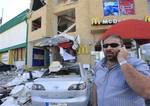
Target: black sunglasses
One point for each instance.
(113, 45)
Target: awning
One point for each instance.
(62, 40)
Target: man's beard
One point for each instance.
(111, 57)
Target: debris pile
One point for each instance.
(16, 92)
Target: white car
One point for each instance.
(70, 86)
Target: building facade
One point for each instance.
(13, 40)
(91, 18)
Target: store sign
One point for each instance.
(84, 49)
(109, 21)
(147, 19)
(97, 21)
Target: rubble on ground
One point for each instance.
(15, 87)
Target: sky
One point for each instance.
(12, 8)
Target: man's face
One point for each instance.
(111, 48)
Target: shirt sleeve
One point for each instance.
(141, 66)
(96, 67)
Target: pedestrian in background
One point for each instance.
(120, 80)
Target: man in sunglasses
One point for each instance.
(120, 80)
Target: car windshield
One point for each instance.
(65, 71)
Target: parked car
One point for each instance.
(7, 67)
(70, 86)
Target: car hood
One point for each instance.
(60, 84)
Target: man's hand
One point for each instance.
(122, 54)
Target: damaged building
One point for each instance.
(86, 18)
(75, 26)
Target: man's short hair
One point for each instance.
(114, 36)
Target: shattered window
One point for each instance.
(37, 4)
(67, 71)
(72, 70)
(36, 24)
(65, 20)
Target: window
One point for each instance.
(19, 54)
(65, 71)
(38, 57)
(37, 4)
(118, 7)
(65, 20)
(36, 24)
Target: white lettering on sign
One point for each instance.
(97, 21)
(109, 21)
